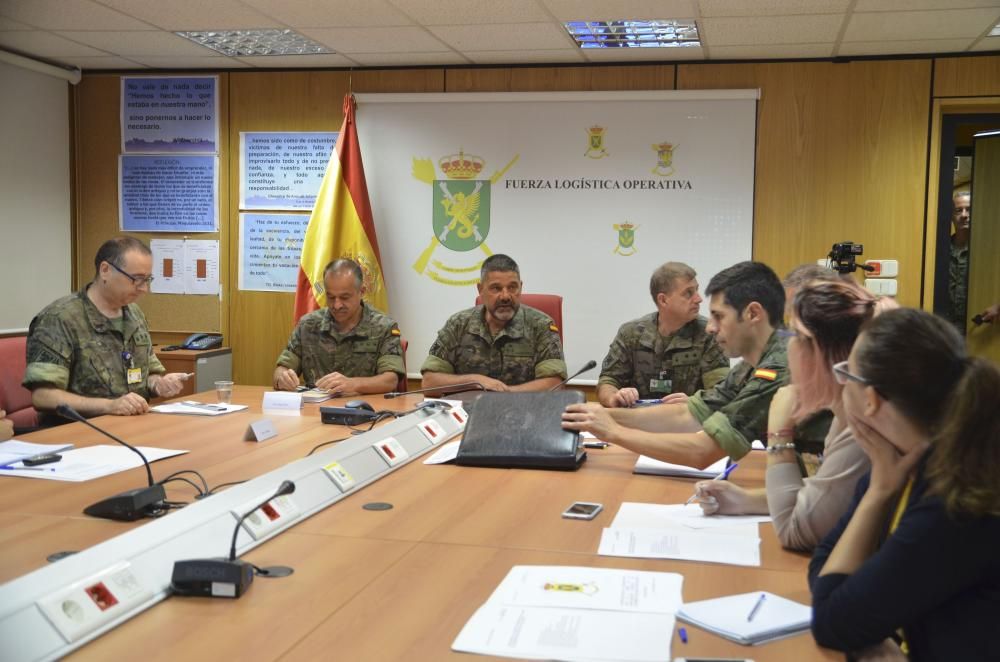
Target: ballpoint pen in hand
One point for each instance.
(722, 476)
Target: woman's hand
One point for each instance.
(890, 466)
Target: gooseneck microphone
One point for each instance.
(127, 506)
(221, 578)
(450, 388)
(589, 365)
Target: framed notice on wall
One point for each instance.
(283, 171)
(170, 115)
(270, 249)
(168, 193)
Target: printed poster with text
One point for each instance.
(270, 249)
(165, 193)
(170, 115)
(283, 171)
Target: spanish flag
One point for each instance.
(341, 225)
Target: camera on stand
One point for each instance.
(843, 257)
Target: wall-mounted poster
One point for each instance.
(283, 170)
(270, 249)
(164, 193)
(170, 115)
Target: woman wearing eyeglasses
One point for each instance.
(917, 556)
(826, 319)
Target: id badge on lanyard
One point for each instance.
(133, 374)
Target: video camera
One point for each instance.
(843, 257)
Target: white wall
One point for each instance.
(35, 226)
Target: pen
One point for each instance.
(756, 607)
(10, 468)
(723, 476)
(683, 634)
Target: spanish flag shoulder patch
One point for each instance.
(763, 373)
(553, 328)
(395, 332)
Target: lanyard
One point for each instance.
(904, 500)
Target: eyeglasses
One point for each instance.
(137, 281)
(843, 375)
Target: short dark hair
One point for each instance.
(498, 262)
(348, 265)
(666, 276)
(745, 282)
(113, 251)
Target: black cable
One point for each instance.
(325, 443)
(193, 484)
(221, 485)
(189, 471)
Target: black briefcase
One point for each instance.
(521, 430)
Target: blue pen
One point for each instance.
(756, 607)
(723, 476)
(683, 634)
(10, 468)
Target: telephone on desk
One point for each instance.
(197, 341)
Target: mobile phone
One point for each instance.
(45, 458)
(582, 510)
(595, 444)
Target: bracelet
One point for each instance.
(777, 448)
(787, 432)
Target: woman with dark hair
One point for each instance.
(917, 556)
(826, 319)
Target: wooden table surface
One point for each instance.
(372, 585)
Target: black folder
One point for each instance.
(521, 430)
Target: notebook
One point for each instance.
(775, 617)
(521, 430)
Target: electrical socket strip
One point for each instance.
(275, 514)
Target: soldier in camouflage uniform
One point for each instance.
(664, 352)
(91, 350)
(958, 261)
(747, 304)
(500, 344)
(347, 347)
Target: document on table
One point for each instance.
(92, 462)
(445, 454)
(14, 451)
(576, 613)
(775, 617)
(192, 408)
(691, 545)
(659, 515)
(647, 465)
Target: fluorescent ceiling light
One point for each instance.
(634, 34)
(271, 41)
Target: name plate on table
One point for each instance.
(261, 430)
(282, 401)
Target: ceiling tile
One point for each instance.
(503, 37)
(138, 43)
(914, 25)
(469, 12)
(293, 61)
(770, 51)
(909, 5)
(68, 15)
(382, 40)
(526, 57)
(407, 59)
(103, 62)
(324, 13)
(903, 47)
(808, 29)
(613, 10)
(185, 62)
(7, 24)
(987, 44)
(713, 8)
(44, 44)
(687, 53)
(192, 14)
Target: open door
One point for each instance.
(984, 254)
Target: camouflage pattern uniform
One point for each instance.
(316, 348)
(958, 286)
(656, 365)
(734, 412)
(527, 348)
(72, 346)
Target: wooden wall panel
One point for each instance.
(98, 144)
(984, 267)
(841, 155)
(562, 79)
(967, 76)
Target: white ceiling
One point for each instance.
(137, 34)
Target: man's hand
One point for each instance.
(991, 314)
(491, 384)
(168, 385)
(675, 399)
(285, 379)
(337, 383)
(591, 417)
(625, 397)
(130, 404)
(6, 426)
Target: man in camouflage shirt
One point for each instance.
(747, 302)
(347, 347)
(91, 350)
(664, 352)
(500, 344)
(958, 261)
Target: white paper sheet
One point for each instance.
(692, 545)
(201, 266)
(192, 408)
(647, 465)
(446, 453)
(168, 266)
(92, 462)
(658, 515)
(14, 450)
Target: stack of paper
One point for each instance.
(647, 465)
(773, 617)
(315, 395)
(91, 462)
(192, 408)
(574, 613)
(14, 451)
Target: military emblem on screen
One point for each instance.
(460, 217)
(596, 150)
(626, 238)
(664, 159)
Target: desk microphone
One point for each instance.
(589, 365)
(127, 506)
(221, 578)
(443, 390)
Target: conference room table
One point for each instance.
(372, 585)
